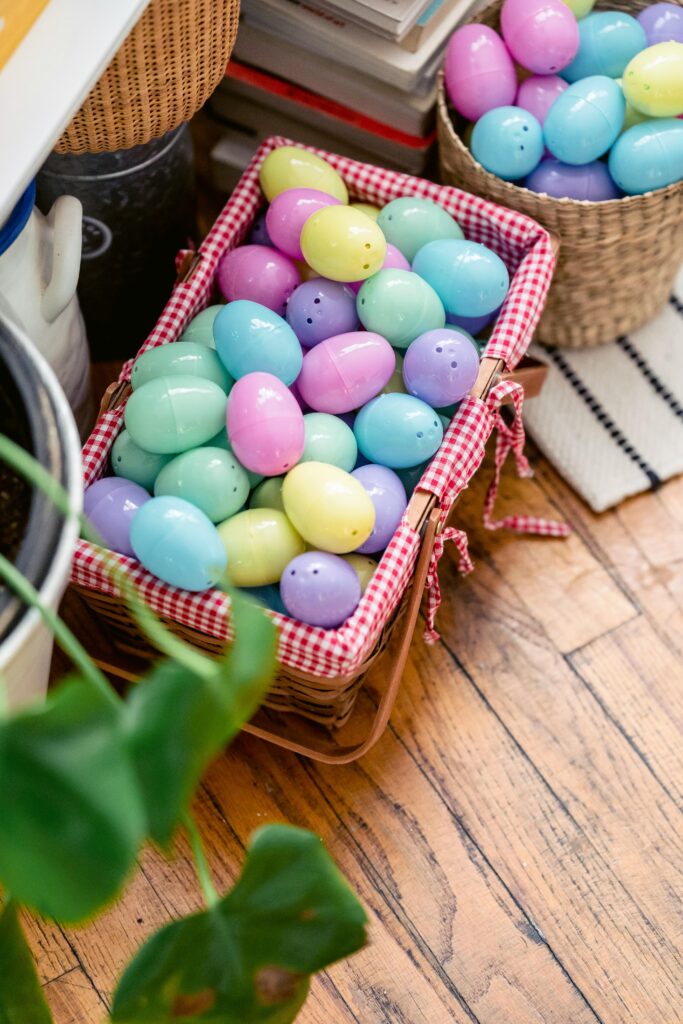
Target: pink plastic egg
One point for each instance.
(479, 71)
(259, 273)
(346, 371)
(543, 35)
(538, 93)
(394, 259)
(288, 213)
(265, 424)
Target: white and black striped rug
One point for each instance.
(610, 419)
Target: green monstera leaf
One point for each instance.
(72, 819)
(248, 960)
(21, 997)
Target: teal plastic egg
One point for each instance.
(200, 328)
(172, 414)
(469, 278)
(132, 462)
(648, 156)
(268, 494)
(175, 541)
(184, 358)
(410, 222)
(328, 439)
(607, 42)
(400, 306)
(259, 544)
(585, 120)
(210, 478)
(397, 431)
(250, 337)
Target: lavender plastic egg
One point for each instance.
(472, 324)
(479, 72)
(320, 309)
(320, 589)
(345, 372)
(440, 367)
(538, 93)
(570, 181)
(542, 35)
(265, 424)
(663, 23)
(508, 141)
(388, 495)
(288, 213)
(258, 273)
(394, 260)
(259, 231)
(111, 504)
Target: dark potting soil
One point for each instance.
(15, 493)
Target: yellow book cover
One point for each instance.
(16, 18)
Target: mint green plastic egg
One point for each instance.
(328, 439)
(210, 478)
(268, 494)
(410, 222)
(200, 328)
(220, 440)
(130, 461)
(173, 414)
(259, 543)
(400, 306)
(185, 358)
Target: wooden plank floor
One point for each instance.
(516, 835)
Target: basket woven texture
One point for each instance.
(165, 70)
(618, 259)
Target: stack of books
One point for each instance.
(357, 77)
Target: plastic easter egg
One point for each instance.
(220, 440)
(479, 72)
(469, 278)
(538, 93)
(399, 305)
(580, 8)
(328, 507)
(388, 495)
(508, 141)
(397, 431)
(585, 120)
(265, 424)
(369, 208)
(662, 23)
(320, 589)
(344, 372)
(210, 478)
(653, 80)
(473, 325)
(394, 259)
(259, 231)
(259, 274)
(175, 541)
(111, 504)
(440, 367)
(130, 461)
(343, 244)
(607, 42)
(268, 596)
(320, 309)
(395, 382)
(291, 167)
(259, 543)
(410, 222)
(268, 494)
(251, 338)
(542, 35)
(184, 358)
(329, 439)
(566, 181)
(200, 328)
(648, 156)
(288, 213)
(363, 567)
(172, 414)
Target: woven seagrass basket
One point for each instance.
(617, 258)
(165, 70)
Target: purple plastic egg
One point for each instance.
(573, 181)
(388, 495)
(111, 505)
(259, 273)
(662, 23)
(288, 213)
(320, 309)
(346, 371)
(538, 93)
(259, 232)
(394, 260)
(542, 35)
(320, 589)
(440, 367)
(265, 424)
(479, 71)
(472, 324)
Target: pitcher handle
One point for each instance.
(66, 220)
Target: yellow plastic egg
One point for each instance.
(364, 568)
(290, 167)
(343, 244)
(329, 507)
(580, 8)
(369, 208)
(259, 544)
(653, 80)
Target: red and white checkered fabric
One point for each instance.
(526, 249)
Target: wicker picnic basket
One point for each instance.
(617, 259)
(322, 671)
(165, 70)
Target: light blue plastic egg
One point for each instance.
(183, 358)
(508, 141)
(178, 543)
(268, 595)
(585, 120)
(132, 462)
(251, 338)
(469, 278)
(648, 156)
(397, 431)
(200, 328)
(608, 41)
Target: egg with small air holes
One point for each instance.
(330, 509)
(398, 431)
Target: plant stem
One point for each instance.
(203, 871)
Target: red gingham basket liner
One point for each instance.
(526, 249)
